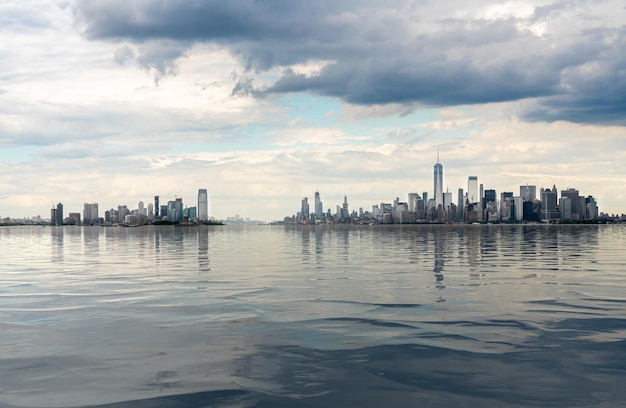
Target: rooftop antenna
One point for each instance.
(437, 155)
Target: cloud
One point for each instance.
(405, 53)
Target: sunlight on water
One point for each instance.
(512, 315)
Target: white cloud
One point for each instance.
(78, 126)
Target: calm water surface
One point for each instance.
(328, 316)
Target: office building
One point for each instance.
(472, 189)
(572, 195)
(528, 193)
(438, 182)
(319, 208)
(74, 218)
(304, 208)
(59, 214)
(549, 211)
(90, 213)
(460, 204)
(203, 205)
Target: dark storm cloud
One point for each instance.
(404, 53)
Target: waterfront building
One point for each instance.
(413, 201)
(489, 196)
(447, 202)
(549, 210)
(59, 214)
(472, 189)
(528, 193)
(572, 194)
(156, 206)
(74, 218)
(304, 208)
(203, 204)
(506, 199)
(591, 207)
(565, 208)
(345, 213)
(122, 212)
(460, 204)
(438, 182)
(90, 213)
(517, 209)
(53, 216)
(319, 208)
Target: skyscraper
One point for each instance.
(203, 205)
(572, 195)
(304, 208)
(90, 213)
(528, 193)
(438, 181)
(156, 206)
(460, 204)
(318, 206)
(472, 189)
(59, 214)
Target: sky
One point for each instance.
(263, 102)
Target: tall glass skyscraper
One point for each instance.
(319, 209)
(472, 189)
(203, 205)
(438, 179)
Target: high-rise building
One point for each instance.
(345, 213)
(460, 204)
(156, 206)
(506, 205)
(175, 210)
(528, 193)
(591, 208)
(438, 182)
(412, 201)
(59, 214)
(53, 216)
(90, 213)
(75, 218)
(203, 205)
(447, 201)
(304, 208)
(472, 189)
(319, 209)
(572, 194)
(549, 211)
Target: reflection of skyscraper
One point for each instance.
(203, 205)
(472, 189)
(438, 180)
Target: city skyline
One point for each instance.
(476, 204)
(262, 102)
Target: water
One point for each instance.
(329, 316)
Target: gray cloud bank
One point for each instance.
(567, 57)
